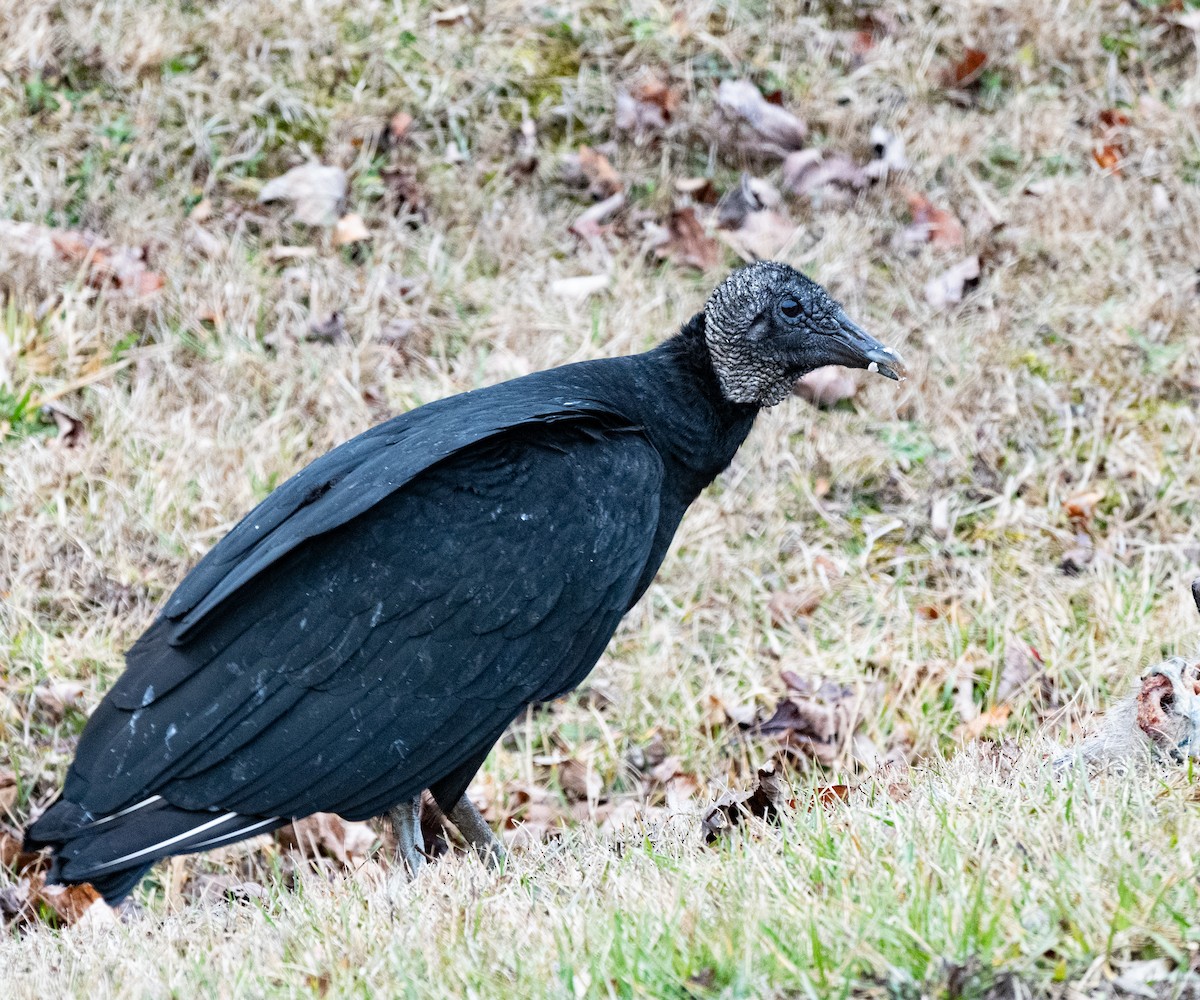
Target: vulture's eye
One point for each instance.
(790, 308)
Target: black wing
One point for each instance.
(363, 665)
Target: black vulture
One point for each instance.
(369, 630)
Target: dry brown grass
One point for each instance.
(1075, 366)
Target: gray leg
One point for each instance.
(477, 833)
(410, 845)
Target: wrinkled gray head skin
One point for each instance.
(766, 325)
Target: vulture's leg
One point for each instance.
(476, 832)
(410, 845)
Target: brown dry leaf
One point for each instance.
(814, 720)
(578, 288)
(992, 718)
(457, 14)
(579, 780)
(1111, 139)
(721, 710)
(1108, 157)
(55, 698)
(316, 193)
(826, 387)
(349, 229)
(533, 817)
(687, 243)
(590, 224)
(31, 901)
(8, 789)
(398, 126)
(597, 173)
(820, 175)
(1022, 666)
(967, 70)
(762, 235)
(327, 835)
(647, 106)
(14, 857)
(766, 802)
(890, 156)
(775, 130)
(1081, 506)
(72, 432)
(932, 224)
(1077, 558)
(103, 265)
(330, 330)
(948, 287)
(208, 887)
(403, 193)
(831, 795)
(788, 605)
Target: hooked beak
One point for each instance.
(864, 351)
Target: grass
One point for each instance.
(1073, 367)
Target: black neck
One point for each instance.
(690, 421)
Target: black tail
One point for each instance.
(113, 852)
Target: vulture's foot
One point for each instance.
(476, 832)
(410, 845)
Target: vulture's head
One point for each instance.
(766, 325)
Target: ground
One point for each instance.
(977, 561)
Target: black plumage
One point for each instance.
(371, 628)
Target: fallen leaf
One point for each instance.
(55, 698)
(827, 386)
(8, 790)
(315, 191)
(398, 126)
(788, 605)
(1107, 157)
(778, 130)
(967, 70)
(992, 718)
(208, 887)
(31, 901)
(579, 288)
(700, 189)
(102, 264)
(751, 195)
(890, 157)
(647, 106)
(15, 858)
(1022, 666)
(594, 170)
(403, 193)
(831, 795)
(948, 287)
(1081, 506)
(579, 780)
(327, 835)
(1077, 558)
(330, 330)
(722, 710)
(72, 432)
(808, 172)
(590, 224)
(451, 15)
(350, 229)
(687, 243)
(931, 224)
(1111, 137)
(766, 801)
(814, 720)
